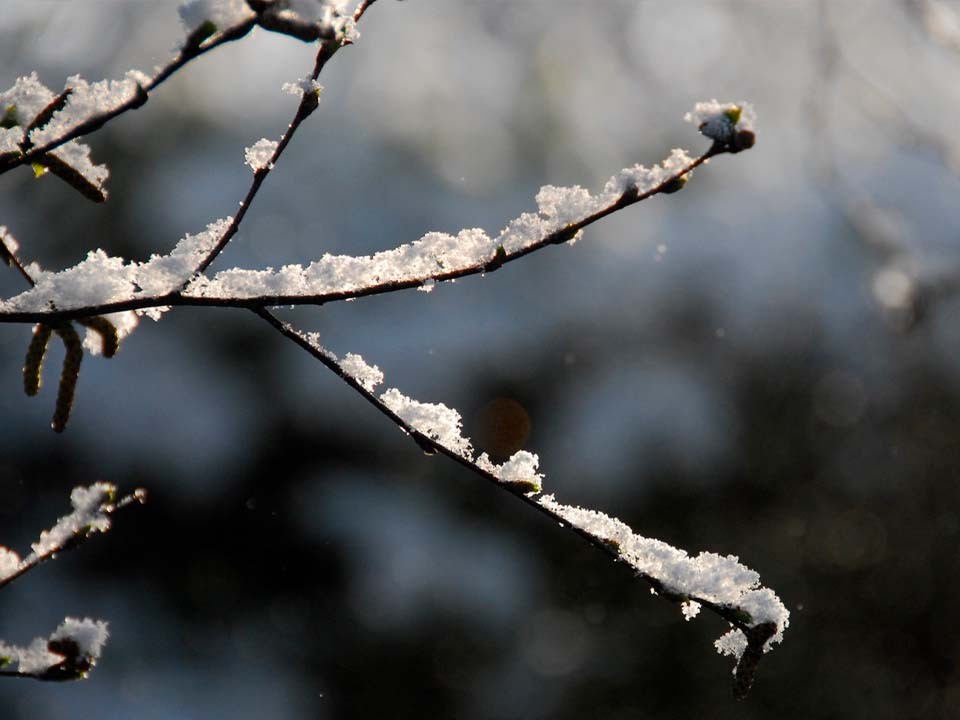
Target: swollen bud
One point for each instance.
(742, 140)
(674, 185)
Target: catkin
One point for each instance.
(68, 376)
(33, 363)
(110, 340)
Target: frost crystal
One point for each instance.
(436, 421)
(719, 121)
(88, 516)
(367, 375)
(258, 156)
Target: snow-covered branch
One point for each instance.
(107, 294)
(101, 284)
(41, 129)
(721, 584)
(72, 650)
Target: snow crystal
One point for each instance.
(303, 86)
(368, 376)
(162, 274)
(733, 642)
(259, 154)
(519, 469)
(9, 563)
(25, 100)
(719, 121)
(561, 206)
(88, 516)
(97, 279)
(223, 14)
(643, 178)
(436, 421)
(10, 138)
(690, 609)
(87, 100)
(89, 635)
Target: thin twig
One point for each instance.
(308, 103)
(362, 8)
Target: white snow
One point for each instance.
(369, 376)
(124, 322)
(87, 100)
(89, 635)
(519, 469)
(28, 97)
(101, 279)
(718, 579)
(89, 505)
(302, 86)
(436, 421)
(259, 154)
(436, 254)
(690, 609)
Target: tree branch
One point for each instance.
(499, 257)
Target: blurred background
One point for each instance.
(763, 364)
